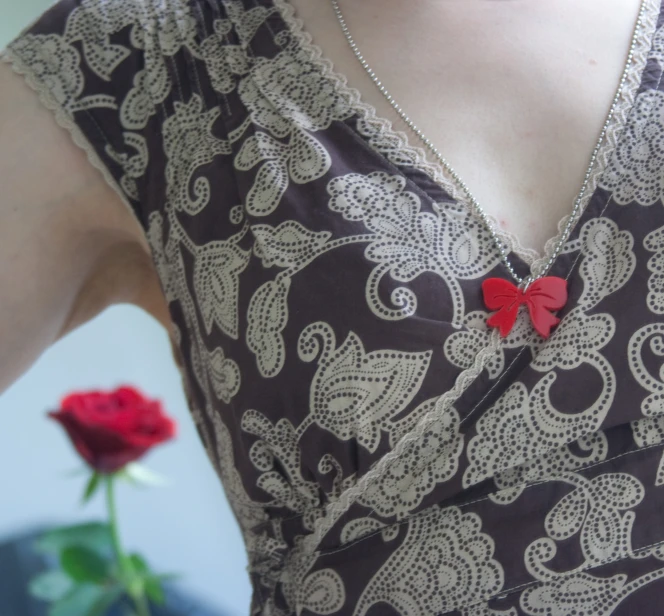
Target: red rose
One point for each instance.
(111, 429)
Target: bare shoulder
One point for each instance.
(69, 245)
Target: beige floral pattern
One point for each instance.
(383, 449)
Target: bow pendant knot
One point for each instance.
(542, 297)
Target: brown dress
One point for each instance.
(385, 452)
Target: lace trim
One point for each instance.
(395, 141)
(380, 131)
(65, 120)
(337, 508)
(633, 75)
(385, 138)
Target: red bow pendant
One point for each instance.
(542, 296)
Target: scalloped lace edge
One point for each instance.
(65, 120)
(642, 38)
(337, 508)
(398, 140)
(617, 123)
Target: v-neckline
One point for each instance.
(387, 140)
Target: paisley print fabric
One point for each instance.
(384, 453)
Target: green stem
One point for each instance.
(142, 605)
(139, 599)
(113, 517)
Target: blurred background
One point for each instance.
(185, 527)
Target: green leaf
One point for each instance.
(83, 565)
(86, 600)
(154, 590)
(91, 487)
(148, 582)
(50, 586)
(95, 536)
(138, 474)
(139, 564)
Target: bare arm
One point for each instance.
(69, 247)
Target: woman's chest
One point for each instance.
(514, 97)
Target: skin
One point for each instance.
(69, 247)
(513, 92)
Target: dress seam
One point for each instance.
(425, 513)
(504, 593)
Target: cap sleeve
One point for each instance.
(102, 67)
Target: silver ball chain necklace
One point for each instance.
(540, 293)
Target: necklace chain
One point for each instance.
(524, 282)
